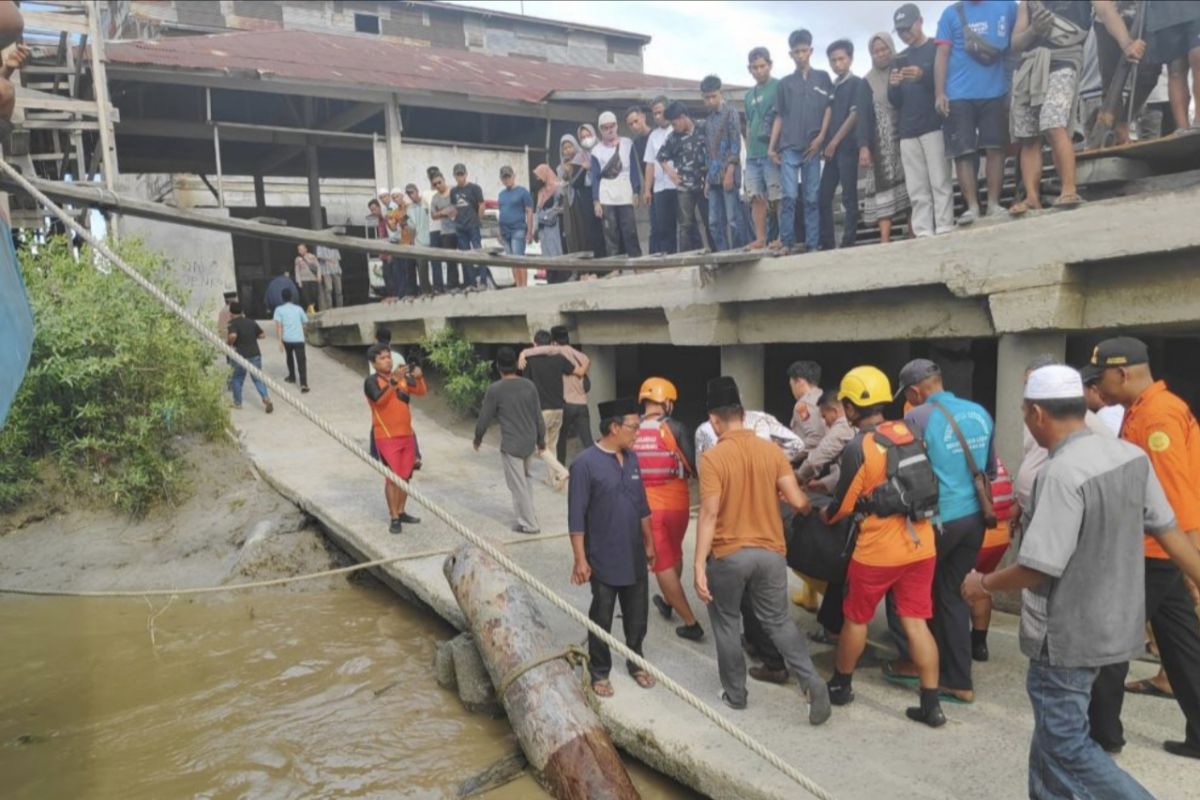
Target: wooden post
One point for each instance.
(562, 737)
(315, 221)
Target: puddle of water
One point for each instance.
(279, 695)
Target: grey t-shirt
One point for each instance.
(437, 203)
(1092, 502)
(515, 402)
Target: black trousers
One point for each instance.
(841, 169)
(1177, 631)
(830, 614)
(310, 294)
(665, 208)
(958, 543)
(620, 231)
(635, 603)
(757, 636)
(575, 423)
(691, 204)
(293, 353)
(449, 241)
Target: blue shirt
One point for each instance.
(513, 203)
(293, 318)
(607, 501)
(956, 487)
(274, 294)
(966, 78)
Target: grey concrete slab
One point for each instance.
(868, 749)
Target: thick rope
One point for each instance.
(482, 542)
(573, 654)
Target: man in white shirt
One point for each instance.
(658, 190)
(618, 187)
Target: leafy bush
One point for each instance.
(466, 376)
(113, 380)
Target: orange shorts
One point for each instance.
(669, 528)
(910, 584)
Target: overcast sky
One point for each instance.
(693, 39)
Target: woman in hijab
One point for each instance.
(549, 215)
(578, 215)
(886, 196)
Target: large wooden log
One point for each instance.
(563, 739)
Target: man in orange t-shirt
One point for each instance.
(1161, 424)
(740, 548)
(388, 394)
(666, 455)
(893, 553)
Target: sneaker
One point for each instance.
(523, 529)
(691, 632)
(289, 379)
(303, 390)
(725, 699)
(396, 527)
(663, 606)
(768, 675)
(819, 703)
(840, 695)
(268, 406)
(979, 651)
(995, 211)
(934, 717)
(968, 216)
(1185, 749)
(409, 519)
(416, 465)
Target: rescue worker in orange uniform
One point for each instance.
(667, 458)
(1160, 423)
(995, 544)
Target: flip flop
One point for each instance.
(644, 679)
(1068, 200)
(1021, 208)
(1148, 688)
(898, 678)
(602, 688)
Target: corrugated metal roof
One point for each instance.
(364, 62)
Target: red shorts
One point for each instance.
(399, 453)
(911, 585)
(989, 558)
(669, 528)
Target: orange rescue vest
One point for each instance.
(658, 453)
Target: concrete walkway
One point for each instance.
(868, 749)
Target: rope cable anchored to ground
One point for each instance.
(482, 542)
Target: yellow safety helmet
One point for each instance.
(865, 386)
(657, 390)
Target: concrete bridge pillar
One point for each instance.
(1014, 351)
(745, 363)
(603, 375)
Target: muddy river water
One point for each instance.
(325, 693)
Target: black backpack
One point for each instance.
(911, 488)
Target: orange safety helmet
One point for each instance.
(657, 390)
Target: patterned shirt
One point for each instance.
(689, 153)
(723, 132)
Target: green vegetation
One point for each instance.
(466, 375)
(114, 382)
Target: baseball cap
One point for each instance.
(460, 169)
(916, 371)
(607, 118)
(506, 171)
(1055, 382)
(1090, 373)
(906, 16)
(1120, 351)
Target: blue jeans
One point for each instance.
(725, 211)
(1064, 762)
(795, 170)
(239, 378)
(473, 275)
(513, 240)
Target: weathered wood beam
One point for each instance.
(102, 198)
(561, 736)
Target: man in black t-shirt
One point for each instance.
(467, 199)
(547, 372)
(243, 337)
(922, 147)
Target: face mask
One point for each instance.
(587, 142)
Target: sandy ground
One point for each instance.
(232, 528)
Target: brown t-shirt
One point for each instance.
(744, 470)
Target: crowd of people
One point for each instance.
(872, 505)
(995, 79)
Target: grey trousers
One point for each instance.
(763, 575)
(516, 475)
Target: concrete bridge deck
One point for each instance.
(868, 749)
